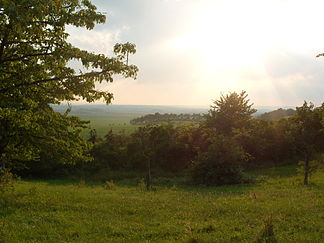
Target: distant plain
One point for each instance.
(104, 118)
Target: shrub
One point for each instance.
(221, 164)
(6, 186)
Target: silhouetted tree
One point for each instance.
(231, 111)
(308, 132)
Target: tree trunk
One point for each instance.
(2, 160)
(148, 176)
(306, 169)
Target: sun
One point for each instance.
(225, 36)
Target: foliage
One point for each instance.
(308, 133)
(158, 118)
(221, 164)
(308, 128)
(34, 73)
(109, 153)
(277, 114)
(152, 144)
(231, 111)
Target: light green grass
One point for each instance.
(62, 211)
(116, 123)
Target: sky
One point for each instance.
(189, 52)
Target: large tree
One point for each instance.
(308, 133)
(231, 111)
(35, 72)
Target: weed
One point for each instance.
(2, 232)
(267, 234)
(110, 185)
(142, 185)
(6, 186)
(252, 195)
(81, 183)
(6, 181)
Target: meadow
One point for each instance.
(117, 118)
(122, 211)
(118, 123)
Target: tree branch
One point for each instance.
(3, 43)
(25, 56)
(50, 80)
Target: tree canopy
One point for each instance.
(35, 72)
(231, 111)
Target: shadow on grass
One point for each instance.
(6, 210)
(276, 171)
(132, 179)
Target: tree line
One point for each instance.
(36, 140)
(158, 118)
(215, 151)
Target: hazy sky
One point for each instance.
(191, 51)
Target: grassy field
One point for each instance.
(117, 117)
(103, 124)
(118, 123)
(63, 211)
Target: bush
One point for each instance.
(6, 186)
(221, 164)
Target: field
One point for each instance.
(117, 118)
(67, 211)
(104, 118)
(118, 123)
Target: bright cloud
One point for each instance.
(191, 51)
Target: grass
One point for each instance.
(103, 124)
(118, 123)
(63, 211)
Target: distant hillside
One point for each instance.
(277, 114)
(89, 110)
(100, 110)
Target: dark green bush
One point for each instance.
(221, 164)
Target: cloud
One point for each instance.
(188, 52)
(97, 41)
(296, 76)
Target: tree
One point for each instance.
(221, 164)
(142, 142)
(308, 133)
(231, 111)
(35, 72)
(110, 153)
